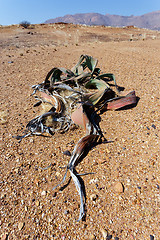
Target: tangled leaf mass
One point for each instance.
(72, 97)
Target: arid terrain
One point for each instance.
(123, 194)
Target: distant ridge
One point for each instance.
(149, 20)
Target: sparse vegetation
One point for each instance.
(25, 24)
(122, 194)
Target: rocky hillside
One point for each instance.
(149, 20)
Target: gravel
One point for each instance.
(29, 208)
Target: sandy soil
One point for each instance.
(29, 209)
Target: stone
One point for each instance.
(37, 203)
(108, 151)
(118, 187)
(138, 191)
(101, 160)
(67, 153)
(93, 197)
(4, 116)
(104, 233)
(43, 193)
(92, 237)
(4, 236)
(20, 225)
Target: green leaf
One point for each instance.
(76, 67)
(55, 72)
(96, 83)
(95, 98)
(108, 75)
(84, 62)
(90, 62)
(101, 85)
(56, 76)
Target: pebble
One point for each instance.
(108, 151)
(43, 193)
(37, 203)
(109, 237)
(20, 225)
(101, 160)
(4, 236)
(93, 181)
(92, 237)
(153, 126)
(138, 191)
(67, 153)
(4, 116)
(93, 197)
(66, 212)
(118, 187)
(151, 237)
(58, 174)
(104, 233)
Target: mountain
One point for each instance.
(149, 20)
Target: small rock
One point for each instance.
(138, 191)
(54, 194)
(36, 181)
(4, 236)
(66, 212)
(102, 160)
(157, 186)
(3, 195)
(109, 237)
(15, 202)
(93, 197)
(16, 170)
(107, 150)
(153, 126)
(151, 237)
(43, 193)
(4, 116)
(37, 203)
(20, 225)
(104, 233)
(118, 187)
(67, 153)
(58, 174)
(92, 237)
(93, 181)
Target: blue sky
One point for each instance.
(38, 11)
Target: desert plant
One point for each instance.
(75, 97)
(25, 24)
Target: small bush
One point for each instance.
(25, 24)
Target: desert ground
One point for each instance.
(123, 194)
